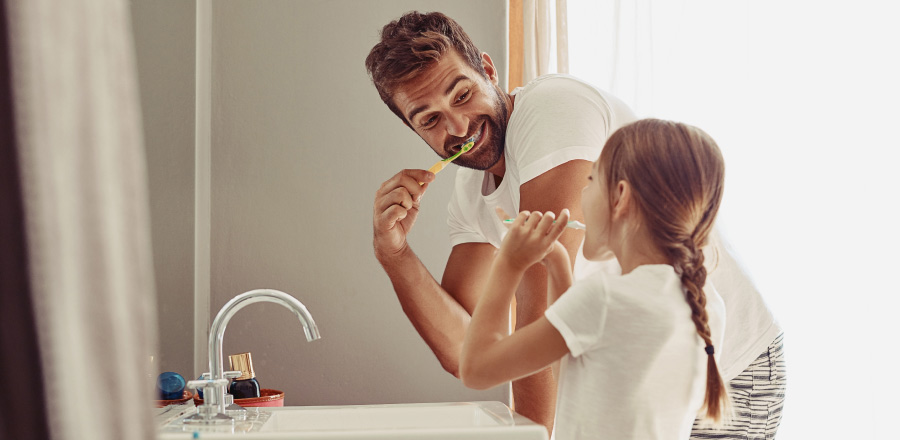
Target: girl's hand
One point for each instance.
(557, 255)
(531, 238)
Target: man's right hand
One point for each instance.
(395, 210)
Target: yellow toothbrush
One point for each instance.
(441, 164)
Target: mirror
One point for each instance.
(276, 192)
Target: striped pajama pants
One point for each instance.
(757, 395)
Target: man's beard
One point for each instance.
(491, 149)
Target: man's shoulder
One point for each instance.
(553, 84)
(567, 93)
(558, 78)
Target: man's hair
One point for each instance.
(410, 45)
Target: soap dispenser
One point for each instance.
(245, 386)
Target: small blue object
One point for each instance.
(170, 385)
(196, 434)
(200, 390)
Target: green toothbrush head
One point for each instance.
(468, 145)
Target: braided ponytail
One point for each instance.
(677, 173)
(693, 277)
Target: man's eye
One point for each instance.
(428, 122)
(463, 97)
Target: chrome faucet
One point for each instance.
(213, 409)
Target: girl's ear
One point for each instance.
(622, 201)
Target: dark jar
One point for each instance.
(245, 386)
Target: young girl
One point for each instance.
(637, 349)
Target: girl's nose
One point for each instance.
(457, 125)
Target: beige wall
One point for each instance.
(164, 33)
(300, 143)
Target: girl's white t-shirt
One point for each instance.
(637, 367)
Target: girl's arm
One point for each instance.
(490, 357)
(559, 279)
(559, 272)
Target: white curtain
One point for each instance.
(87, 222)
(801, 97)
(615, 45)
(545, 38)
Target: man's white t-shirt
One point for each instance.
(558, 118)
(637, 367)
(555, 119)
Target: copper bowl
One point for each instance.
(267, 397)
(185, 396)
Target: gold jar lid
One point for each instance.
(242, 362)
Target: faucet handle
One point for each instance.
(232, 409)
(228, 375)
(206, 383)
(208, 413)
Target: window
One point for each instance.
(803, 98)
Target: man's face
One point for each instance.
(451, 102)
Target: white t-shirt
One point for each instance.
(555, 119)
(558, 118)
(637, 367)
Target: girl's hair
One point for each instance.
(677, 175)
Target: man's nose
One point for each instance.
(457, 125)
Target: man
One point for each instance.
(533, 152)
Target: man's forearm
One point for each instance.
(438, 317)
(535, 397)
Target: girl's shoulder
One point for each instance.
(647, 287)
(647, 276)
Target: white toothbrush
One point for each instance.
(574, 224)
(505, 218)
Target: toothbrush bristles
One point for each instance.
(468, 145)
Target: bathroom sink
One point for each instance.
(462, 420)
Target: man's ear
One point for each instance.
(489, 68)
(622, 200)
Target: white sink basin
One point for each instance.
(463, 420)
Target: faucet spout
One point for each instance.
(217, 333)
